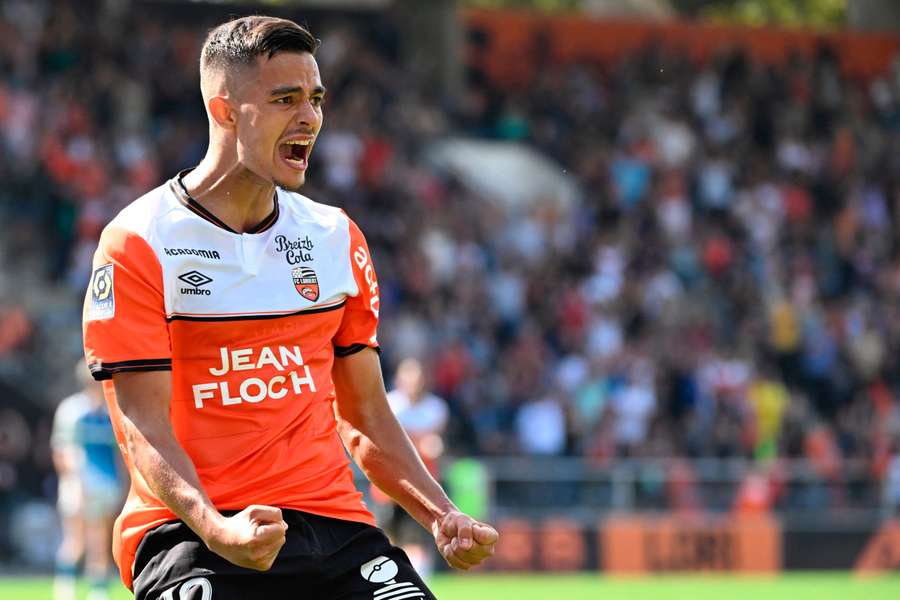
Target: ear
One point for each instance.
(222, 113)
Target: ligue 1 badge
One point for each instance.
(306, 283)
(103, 299)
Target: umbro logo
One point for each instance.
(197, 280)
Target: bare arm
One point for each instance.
(384, 452)
(377, 442)
(251, 538)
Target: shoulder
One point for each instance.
(72, 407)
(435, 401)
(139, 221)
(434, 407)
(397, 400)
(306, 209)
(143, 214)
(76, 402)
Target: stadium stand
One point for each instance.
(727, 287)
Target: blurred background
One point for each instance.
(642, 255)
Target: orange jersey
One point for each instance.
(249, 325)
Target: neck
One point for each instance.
(238, 197)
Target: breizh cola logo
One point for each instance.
(296, 250)
(306, 283)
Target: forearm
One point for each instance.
(377, 442)
(251, 538)
(159, 459)
(389, 460)
(170, 475)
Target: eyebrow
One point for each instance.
(293, 89)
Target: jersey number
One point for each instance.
(187, 586)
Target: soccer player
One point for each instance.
(90, 487)
(233, 322)
(424, 417)
(68, 500)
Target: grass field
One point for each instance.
(805, 586)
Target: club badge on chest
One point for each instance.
(306, 283)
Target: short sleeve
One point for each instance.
(124, 315)
(359, 324)
(62, 435)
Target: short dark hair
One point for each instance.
(240, 41)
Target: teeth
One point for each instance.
(299, 142)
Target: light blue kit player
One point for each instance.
(92, 483)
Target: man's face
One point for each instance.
(280, 114)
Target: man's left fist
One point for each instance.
(464, 542)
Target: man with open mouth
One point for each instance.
(237, 373)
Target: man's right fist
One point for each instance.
(252, 538)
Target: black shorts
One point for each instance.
(322, 559)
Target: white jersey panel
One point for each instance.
(299, 263)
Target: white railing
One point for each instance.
(580, 488)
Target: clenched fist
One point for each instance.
(252, 538)
(464, 542)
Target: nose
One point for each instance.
(307, 114)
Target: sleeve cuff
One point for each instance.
(342, 351)
(105, 370)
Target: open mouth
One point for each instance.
(295, 153)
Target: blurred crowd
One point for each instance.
(727, 286)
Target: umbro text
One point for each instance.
(195, 292)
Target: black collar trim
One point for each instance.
(178, 187)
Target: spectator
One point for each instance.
(734, 213)
(424, 418)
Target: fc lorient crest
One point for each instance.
(306, 282)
